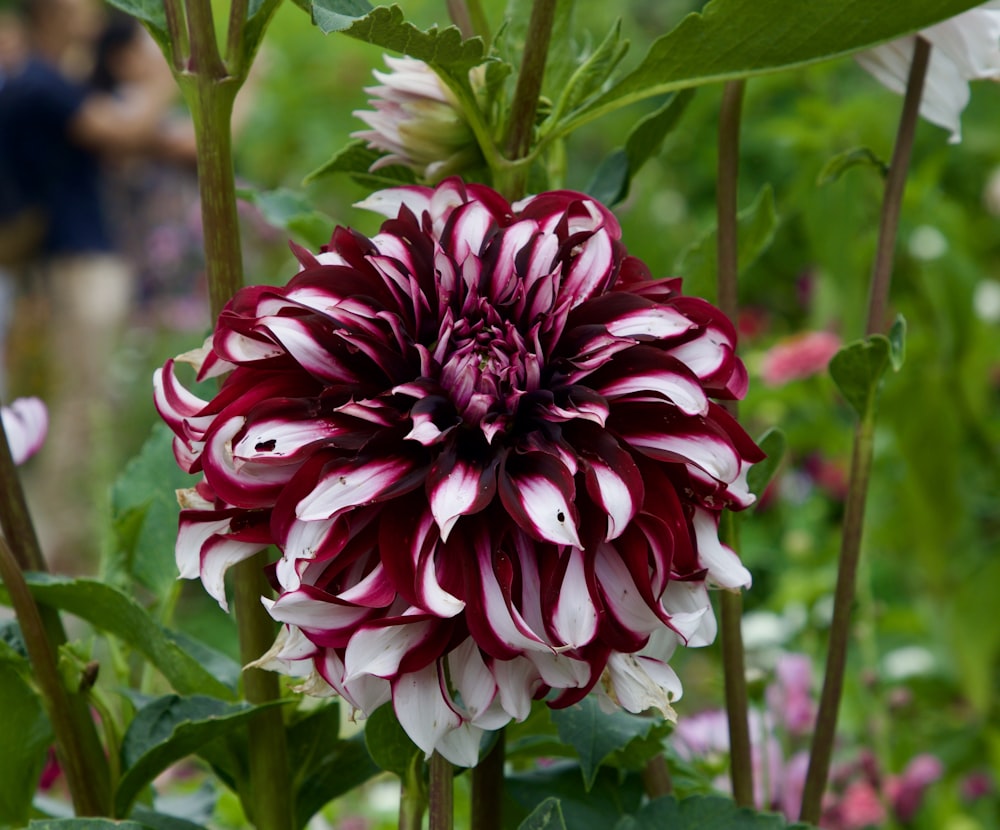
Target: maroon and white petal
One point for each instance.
(347, 484)
(388, 202)
(574, 617)
(206, 548)
(724, 566)
(538, 492)
(639, 683)
(475, 685)
(691, 615)
(423, 708)
(517, 681)
(378, 650)
(457, 487)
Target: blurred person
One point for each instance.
(54, 131)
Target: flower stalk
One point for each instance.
(210, 88)
(487, 787)
(77, 743)
(524, 105)
(731, 602)
(862, 453)
(442, 794)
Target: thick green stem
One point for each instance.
(442, 796)
(731, 604)
(521, 128)
(487, 788)
(210, 92)
(413, 796)
(821, 751)
(78, 745)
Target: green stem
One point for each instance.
(892, 201)
(78, 745)
(176, 26)
(731, 603)
(238, 11)
(656, 778)
(442, 799)
(821, 751)
(210, 92)
(487, 787)
(521, 128)
(412, 796)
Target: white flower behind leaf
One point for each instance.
(418, 122)
(26, 422)
(964, 48)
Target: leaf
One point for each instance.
(152, 14)
(596, 735)
(774, 444)
(323, 765)
(291, 212)
(259, 16)
(590, 76)
(733, 39)
(388, 744)
(699, 812)
(385, 27)
(610, 183)
(12, 647)
(546, 816)
(107, 608)
(857, 370)
(355, 159)
(611, 796)
(840, 163)
(168, 729)
(161, 821)
(25, 751)
(86, 824)
(757, 225)
(144, 516)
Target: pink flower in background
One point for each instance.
(906, 791)
(26, 422)
(799, 356)
(483, 442)
(790, 698)
(964, 48)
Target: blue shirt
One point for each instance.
(37, 107)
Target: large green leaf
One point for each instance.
(292, 212)
(144, 515)
(596, 735)
(168, 729)
(699, 812)
(325, 766)
(356, 160)
(25, 736)
(757, 225)
(858, 368)
(385, 26)
(611, 182)
(612, 796)
(108, 609)
(388, 744)
(739, 38)
(774, 444)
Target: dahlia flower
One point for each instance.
(418, 122)
(964, 48)
(26, 422)
(483, 443)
